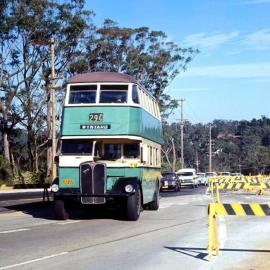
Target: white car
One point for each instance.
(202, 179)
(210, 175)
(188, 177)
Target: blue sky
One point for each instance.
(230, 77)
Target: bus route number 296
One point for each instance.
(95, 117)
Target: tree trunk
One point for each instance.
(5, 134)
(36, 156)
(14, 166)
(48, 173)
(29, 148)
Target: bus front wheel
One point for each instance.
(134, 205)
(60, 210)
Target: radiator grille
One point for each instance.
(93, 182)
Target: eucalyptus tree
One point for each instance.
(145, 54)
(24, 66)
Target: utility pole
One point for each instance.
(240, 168)
(52, 125)
(210, 148)
(197, 162)
(182, 122)
(53, 166)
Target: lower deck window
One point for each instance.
(82, 147)
(112, 151)
(131, 150)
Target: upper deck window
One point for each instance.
(113, 93)
(82, 94)
(135, 96)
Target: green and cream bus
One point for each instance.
(110, 145)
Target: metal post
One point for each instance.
(53, 167)
(182, 132)
(217, 193)
(210, 148)
(212, 231)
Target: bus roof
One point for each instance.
(108, 77)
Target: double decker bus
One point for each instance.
(110, 145)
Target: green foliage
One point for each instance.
(145, 54)
(5, 171)
(26, 29)
(29, 178)
(236, 145)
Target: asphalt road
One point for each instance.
(16, 200)
(175, 237)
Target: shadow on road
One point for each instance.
(45, 210)
(39, 209)
(199, 253)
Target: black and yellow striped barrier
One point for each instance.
(240, 186)
(237, 186)
(232, 209)
(237, 179)
(245, 183)
(242, 209)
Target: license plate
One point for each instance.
(68, 182)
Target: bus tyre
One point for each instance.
(60, 210)
(154, 205)
(134, 205)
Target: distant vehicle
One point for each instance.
(169, 181)
(188, 177)
(202, 179)
(236, 174)
(210, 175)
(224, 173)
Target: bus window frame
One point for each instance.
(78, 103)
(135, 86)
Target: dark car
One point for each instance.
(169, 181)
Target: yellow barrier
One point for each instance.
(233, 209)
(258, 183)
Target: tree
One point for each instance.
(24, 67)
(140, 52)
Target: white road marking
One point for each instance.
(32, 261)
(68, 222)
(13, 231)
(166, 205)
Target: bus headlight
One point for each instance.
(128, 188)
(55, 188)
